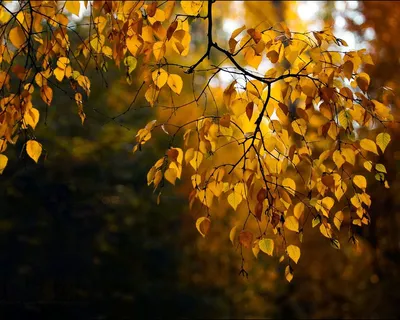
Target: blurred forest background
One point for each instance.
(82, 233)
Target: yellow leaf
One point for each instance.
(355, 201)
(170, 175)
(191, 7)
(34, 149)
(232, 235)
(159, 50)
(299, 210)
(17, 37)
(288, 274)
(175, 83)
(3, 162)
(338, 219)
(160, 77)
(130, 62)
(59, 74)
(97, 43)
(196, 160)
(267, 246)
(338, 159)
(325, 229)
(293, 252)
(151, 94)
(344, 119)
(369, 145)
(256, 248)
(236, 32)
(299, 126)
(292, 223)
(73, 7)
(380, 168)
(289, 185)
(134, 45)
(360, 181)
(203, 225)
(46, 93)
(31, 117)
(382, 140)
(341, 190)
(349, 155)
(368, 165)
(327, 203)
(234, 199)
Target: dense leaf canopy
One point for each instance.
(285, 141)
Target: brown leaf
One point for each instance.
(246, 238)
(249, 110)
(171, 29)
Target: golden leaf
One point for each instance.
(73, 7)
(360, 181)
(289, 185)
(34, 149)
(17, 37)
(293, 252)
(369, 145)
(288, 274)
(46, 93)
(292, 223)
(3, 162)
(159, 50)
(191, 7)
(338, 219)
(170, 175)
(160, 77)
(234, 199)
(298, 210)
(175, 83)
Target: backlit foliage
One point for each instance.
(283, 147)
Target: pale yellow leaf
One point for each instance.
(382, 140)
(267, 246)
(380, 168)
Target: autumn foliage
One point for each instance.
(286, 144)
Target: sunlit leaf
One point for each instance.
(34, 149)
(382, 140)
(267, 246)
(293, 252)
